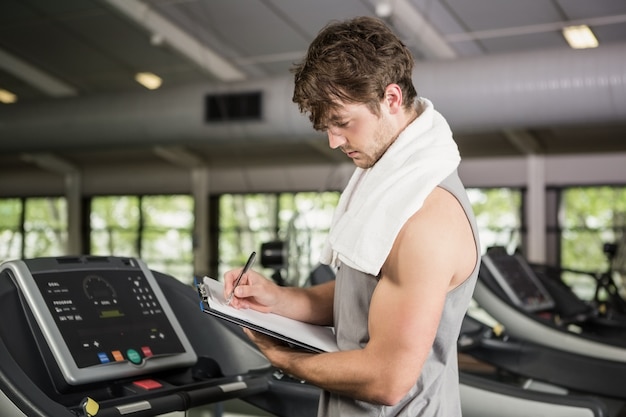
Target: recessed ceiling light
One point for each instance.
(148, 80)
(7, 97)
(580, 37)
(384, 9)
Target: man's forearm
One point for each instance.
(347, 373)
(311, 304)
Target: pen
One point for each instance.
(243, 271)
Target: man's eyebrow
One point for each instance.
(336, 117)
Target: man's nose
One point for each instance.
(335, 139)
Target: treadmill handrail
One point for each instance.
(523, 327)
(184, 400)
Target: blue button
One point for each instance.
(103, 357)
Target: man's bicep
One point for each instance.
(402, 328)
(407, 304)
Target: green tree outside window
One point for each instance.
(45, 227)
(157, 229)
(10, 228)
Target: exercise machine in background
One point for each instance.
(545, 333)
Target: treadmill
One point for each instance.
(87, 336)
(107, 336)
(549, 336)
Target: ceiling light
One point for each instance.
(580, 37)
(7, 97)
(148, 80)
(384, 9)
(157, 39)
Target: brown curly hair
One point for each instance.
(352, 61)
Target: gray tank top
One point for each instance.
(436, 392)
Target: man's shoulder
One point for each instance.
(441, 218)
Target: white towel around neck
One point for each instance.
(378, 201)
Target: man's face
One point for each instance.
(360, 134)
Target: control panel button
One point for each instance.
(147, 352)
(147, 384)
(133, 356)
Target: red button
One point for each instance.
(147, 352)
(147, 384)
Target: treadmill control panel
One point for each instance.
(107, 316)
(104, 318)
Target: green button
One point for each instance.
(133, 356)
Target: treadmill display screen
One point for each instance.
(108, 316)
(519, 281)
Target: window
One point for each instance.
(167, 243)
(33, 227)
(114, 224)
(304, 223)
(45, 227)
(301, 220)
(498, 214)
(10, 229)
(157, 229)
(590, 217)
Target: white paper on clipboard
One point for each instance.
(305, 335)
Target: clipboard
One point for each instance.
(293, 332)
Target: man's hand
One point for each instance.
(276, 351)
(254, 291)
(264, 342)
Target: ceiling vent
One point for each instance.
(233, 107)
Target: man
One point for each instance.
(403, 237)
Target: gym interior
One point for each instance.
(148, 144)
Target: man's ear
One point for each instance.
(393, 98)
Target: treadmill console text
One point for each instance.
(102, 320)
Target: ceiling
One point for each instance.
(70, 51)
